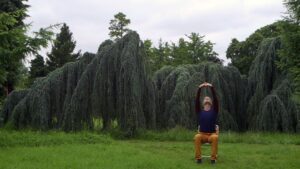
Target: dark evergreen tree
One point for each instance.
(62, 49)
(38, 67)
(11, 69)
(16, 44)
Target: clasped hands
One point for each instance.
(205, 84)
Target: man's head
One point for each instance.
(207, 102)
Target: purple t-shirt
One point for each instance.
(207, 120)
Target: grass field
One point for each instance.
(172, 149)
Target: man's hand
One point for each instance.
(209, 85)
(202, 85)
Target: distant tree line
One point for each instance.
(242, 53)
(194, 50)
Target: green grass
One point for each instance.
(170, 149)
(181, 134)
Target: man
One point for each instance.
(207, 118)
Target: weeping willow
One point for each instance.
(114, 85)
(11, 101)
(44, 104)
(270, 107)
(277, 112)
(176, 89)
(111, 85)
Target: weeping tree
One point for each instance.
(277, 112)
(114, 85)
(11, 101)
(43, 106)
(271, 106)
(176, 88)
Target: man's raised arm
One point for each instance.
(215, 99)
(197, 101)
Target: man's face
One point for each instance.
(207, 100)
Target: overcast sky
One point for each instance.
(218, 20)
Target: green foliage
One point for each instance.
(37, 68)
(9, 6)
(23, 80)
(15, 45)
(114, 86)
(176, 88)
(293, 10)
(11, 101)
(289, 59)
(270, 105)
(47, 100)
(243, 53)
(158, 57)
(191, 51)
(10, 40)
(62, 49)
(111, 85)
(118, 26)
(199, 50)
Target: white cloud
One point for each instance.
(219, 20)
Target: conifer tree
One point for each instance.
(118, 26)
(38, 67)
(62, 49)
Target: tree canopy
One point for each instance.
(191, 51)
(10, 6)
(16, 44)
(118, 26)
(37, 68)
(62, 49)
(289, 54)
(242, 53)
(293, 10)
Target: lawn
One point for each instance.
(29, 149)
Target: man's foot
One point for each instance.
(213, 161)
(199, 161)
